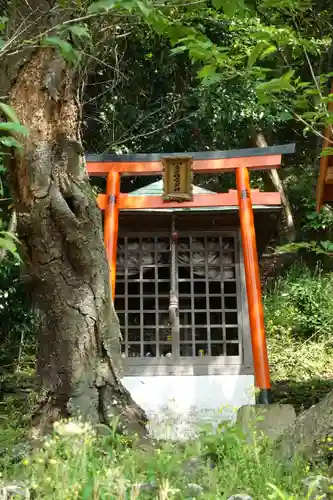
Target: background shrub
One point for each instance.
(299, 323)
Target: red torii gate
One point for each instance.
(238, 161)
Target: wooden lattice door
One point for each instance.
(208, 290)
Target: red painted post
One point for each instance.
(111, 221)
(253, 287)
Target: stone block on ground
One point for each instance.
(240, 496)
(269, 420)
(316, 487)
(11, 491)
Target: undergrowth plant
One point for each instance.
(299, 323)
(76, 462)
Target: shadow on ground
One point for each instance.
(302, 395)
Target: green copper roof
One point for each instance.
(156, 189)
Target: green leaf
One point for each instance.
(10, 246)
(327, 245)
(256, 52)
(207, 71)
(309, 115)
(230, 7)
(294, 5)
(211, 79)
(304, 84)
(145, 9)
(311, 92)
(178, 33)
(154, 18)
(288, 76)
(3, 21)
(262, 35)
(179, 50)
(9, 235)
(326, 152)
(293, 247)
(14, 128)
(79, 30)
(270, 50)
(285, 116)
(65, 48)
(328, 119)
(277, 84)
(101, 6)
(10, 142)
(301, 103)
(9, 112)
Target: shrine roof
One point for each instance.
(197, 155)
(156, 189)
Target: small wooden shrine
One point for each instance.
(185, 280)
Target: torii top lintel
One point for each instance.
(203, 162)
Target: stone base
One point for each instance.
(268, 420)
(177, 406)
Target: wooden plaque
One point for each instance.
(177, 177)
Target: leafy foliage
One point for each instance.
(300, 305)
(76, 463)
(66, 49)
(299, 319)
(12, 127)
(17, 318)
(8, 241)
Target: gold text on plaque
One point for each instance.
(177, 176)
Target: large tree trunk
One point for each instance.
(60, 227)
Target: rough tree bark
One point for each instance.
(59, 224)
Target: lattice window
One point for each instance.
(208, 290)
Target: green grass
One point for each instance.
(76, 463)
(86, 466)
(299, 326)
(299, 329)
(300, 306)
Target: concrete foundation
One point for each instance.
(268, 420)
(177, 406)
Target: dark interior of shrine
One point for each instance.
(207, 293)
(208, 289)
